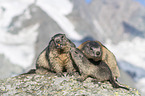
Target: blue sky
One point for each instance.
(141, 1)
(88, 1)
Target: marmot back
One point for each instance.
(42, 64)
(97, 51)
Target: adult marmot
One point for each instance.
(94, 50)
(100, 71)
(56, 56)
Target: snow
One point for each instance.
(12, 8)
(57, 10)
(141, 85)
(135, 72)
(129, 51)
(19, 49)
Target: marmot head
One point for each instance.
(92, 50)
(77, 55)
(59, 40)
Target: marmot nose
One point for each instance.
(98, 53)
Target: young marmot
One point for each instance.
(100, 71)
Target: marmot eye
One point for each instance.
(62, 37)
(97, 53)
(91, 48)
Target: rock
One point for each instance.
(109, 19)
(32, 85)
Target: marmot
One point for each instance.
(42, 64)
(56, 56)
(97, 51)
(100, 71)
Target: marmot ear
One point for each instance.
(64, 35)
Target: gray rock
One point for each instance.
(109, 19)
(32, 85)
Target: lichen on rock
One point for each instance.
(33, 84)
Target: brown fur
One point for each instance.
(106, 55)
(100, 71)
(56, 56)
(42, 65)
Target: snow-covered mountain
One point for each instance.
(26, 26)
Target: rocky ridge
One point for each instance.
(63, 86)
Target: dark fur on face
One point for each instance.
(93, 49)
(59, 40)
